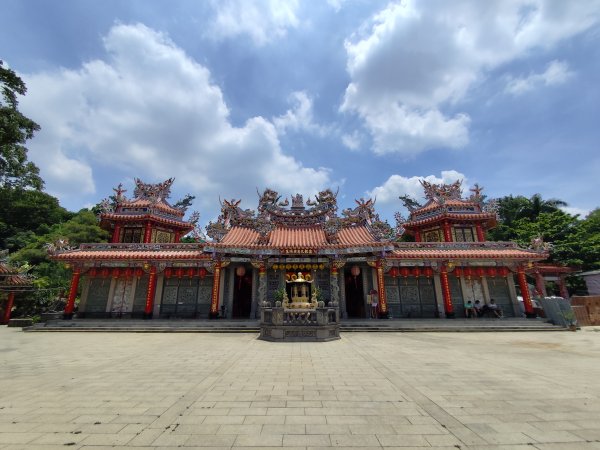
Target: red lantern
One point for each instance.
(394, 272)
(202, 272)
(92, 272)
(115, 273)
(168, 272)
(179, 272)
(468, 272)
(128, 272)
(428, 271)
(105, 272)
(492, 272)
(416, 272)
(480, 272)
(458, 272)
(191, 272)
(139, 272)
(503, 271)
(404, 272)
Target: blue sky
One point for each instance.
(230, 96)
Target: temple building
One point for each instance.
(248, 257)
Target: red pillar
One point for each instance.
(177, 237)
(214, 304)
(447, 232)
(72, 294)
(116, 237)
(381, 289)
(480, 233)
(9, 304)
(150, 293)
(525, 294)
(148, 233)
(448, 307)
(563, 287)
(418, 236)
(540, 285)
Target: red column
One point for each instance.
(447, 232)
(116, 233)
(177, 237)
(525, 294)
(381, 289)
(480, 233)
(148, 233)
(9, 304)
(418, 236)
(540, 285)
(214, 304)
(72, 294)
(563, 287)
(150, 293)
(448, 307)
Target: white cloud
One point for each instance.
(397, 185)
(262, 20)
(152, 111)
(557, 72)
(352, 141)
(573, 210)
(414, 60)
(300, 117)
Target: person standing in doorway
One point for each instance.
(374, 303)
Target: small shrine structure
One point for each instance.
(12, 282)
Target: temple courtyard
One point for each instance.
(507, 390)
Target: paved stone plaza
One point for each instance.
(367, 390)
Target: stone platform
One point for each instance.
(253, 326)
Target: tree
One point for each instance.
(15, 130)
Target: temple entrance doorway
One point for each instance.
(242, 293)
(355, 300)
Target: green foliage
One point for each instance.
(25, 214)
(15, 130)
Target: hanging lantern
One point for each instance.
(275, 266)
(458, 272)
(492, 272)
(92, 272)
(416, 272)
(116, 272)
(240, 271)
(355, 271)
(404, 272)
(468, 272)
(168, 272)
(139, 272)
(191, 272)
(428, 271)
(128, 272)
(105, 272)
(202, 272)
(394, 272)
(480, 272)
(503, 271)
(179, 272)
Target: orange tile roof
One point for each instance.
(474, 253)
(131, 254)
(312, 237)
(141, 203)
(147, 216)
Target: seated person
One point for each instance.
(495, 309)
(470, 310)
(478, 308)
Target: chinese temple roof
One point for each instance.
(134, 252)
(11, 279)
(312, 225)
(445, 202)
(150, 202)
(465, 250)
